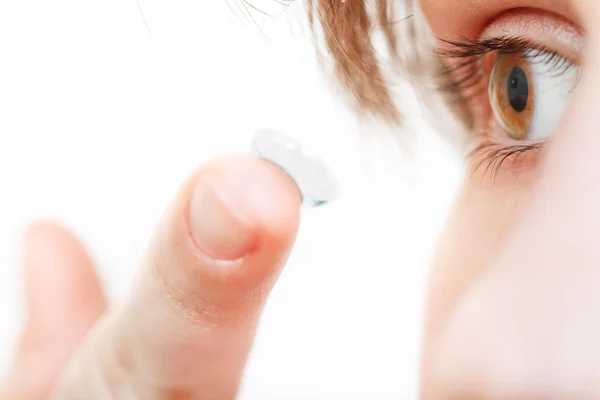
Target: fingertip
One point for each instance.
(41, 229)
(48, 244)
(42, 234)
(231, 244)
(241, 203)
(60, 279)
(260, 191)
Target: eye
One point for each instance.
(529, 92)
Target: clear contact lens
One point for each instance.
(313, 176)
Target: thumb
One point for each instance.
(64, 299)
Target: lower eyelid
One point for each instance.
(504, 163)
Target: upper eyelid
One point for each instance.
(550, 31)
(464, 75)
(518, 31)
(478, 47)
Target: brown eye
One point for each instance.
(511, 94)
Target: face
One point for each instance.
(513, 305)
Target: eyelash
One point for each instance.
(467, 78)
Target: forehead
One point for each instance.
(450, 19)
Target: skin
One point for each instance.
(512, 298)
(186, 331)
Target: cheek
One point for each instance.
(482, 219)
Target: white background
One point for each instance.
(102, 116)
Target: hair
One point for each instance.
(348, 27)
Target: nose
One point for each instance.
(530, 328)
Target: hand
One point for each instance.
(186, 330)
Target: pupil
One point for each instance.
(518, 89)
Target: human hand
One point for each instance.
(186, 329)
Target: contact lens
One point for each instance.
(314, 177)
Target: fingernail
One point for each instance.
(218, 229)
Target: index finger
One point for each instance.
(187, 329)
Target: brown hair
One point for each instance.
(348, 26)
